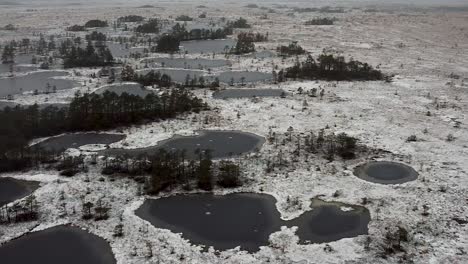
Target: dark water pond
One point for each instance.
(120, 51)
(244, 76)
(13, 189)
(221, 144)
(263, 54)
(247, 220)
(120, 88)
(33, 81)
(386, 172)
(328, 222)
(18, 66)
(77, 140)
(188, 63)
(241, 93)
(57, 245)
(207, 46)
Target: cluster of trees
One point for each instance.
(101, 210)
(9, 27)
(167, 43)
(320, 21)
(330, 146)
(148, 79)
(254, 37)
(23, 211)
(292, 49)
(96, 36)
(130, 18)
(90, 56)
(76, 28)
(199, 34)
(151, 26)
(87, 112)
(239, 23)
(8, 54)
(200, 82)
(163, 80)
(336, 68)
(245, 44)
(169, 169)
(183, 18)
(95, 23)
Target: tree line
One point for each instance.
(330, 67)
(87, 112)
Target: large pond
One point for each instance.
(247, 220)
(242, 93)
(33, 81)
(57, 245)
(221, 144)
(77, 140)
(129, 88)
(386, 172)
(13, 189)
(187, 63)
(208, 46)
(244, 77)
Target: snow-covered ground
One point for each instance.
(422, 50)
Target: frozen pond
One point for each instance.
(188, 63)
(247, 220)
(57, 245)
(221, 144)
(35, 80)
(248, 92)
(386, 172)
(13, 189)
(207, 46)
(129, 88)
(77, 140)
(244, 77)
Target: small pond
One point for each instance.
(247, 220)
(244, 77)
(188, 63)
(221, 144)
(13, 189)
(120, 51)
(207, 46)
(328, 222)
(386, 172)
(57, 245)
(129, 88)
(77, 140)
(33, 81)
(241, 93)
